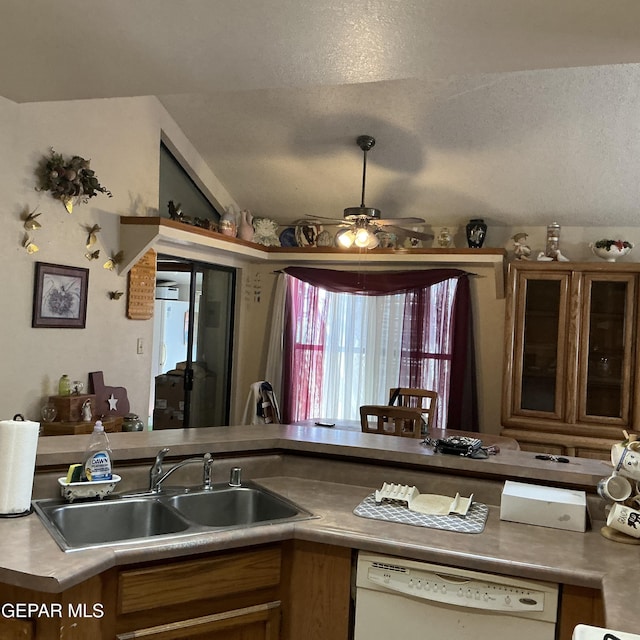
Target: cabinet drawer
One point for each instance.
(260, 622)
(182, 582)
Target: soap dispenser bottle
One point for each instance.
(97, 465)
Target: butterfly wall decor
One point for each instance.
(30, 222)
(29, 245)
(113, 261)
(91, 237)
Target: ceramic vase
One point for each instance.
(476, 231)
(228, 225)
(245, 228)
(444, 238)
(64, 386)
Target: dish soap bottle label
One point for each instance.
(98, 467)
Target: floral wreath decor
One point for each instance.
(68, 178)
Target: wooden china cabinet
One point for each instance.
(571, 361)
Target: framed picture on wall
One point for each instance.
(60, 296)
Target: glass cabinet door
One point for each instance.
(540, 345)
(606, 346)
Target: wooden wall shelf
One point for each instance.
(139, 234)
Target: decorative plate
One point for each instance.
(288, 237)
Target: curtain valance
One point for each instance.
(372, 283)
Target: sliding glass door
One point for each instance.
(193, 334)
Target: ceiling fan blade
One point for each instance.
(315, 220)
(397, 221)
(418, 235)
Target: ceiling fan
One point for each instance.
(363, 223)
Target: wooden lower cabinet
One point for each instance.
(292, 591)
(233, 595)
(285, 591)
(578, 605)
(317, 591)
(69, 615)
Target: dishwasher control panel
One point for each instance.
(453, 586)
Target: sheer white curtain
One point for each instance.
(273, 369)
(361, 352)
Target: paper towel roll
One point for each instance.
(18, 445)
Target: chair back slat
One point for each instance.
(424, 399)
(391, 421)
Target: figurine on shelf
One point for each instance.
(175, 210)
(556, 255)
(87, 413)
(521, 249)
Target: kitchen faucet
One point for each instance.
(157, 475)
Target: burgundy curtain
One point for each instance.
(462, 405)
(305, 363)
(372, 283)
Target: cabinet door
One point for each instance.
(606, 348)
(540, 345)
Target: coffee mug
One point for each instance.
(624, 519)
(615, 488)
(626, 460)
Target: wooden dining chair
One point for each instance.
(424, 399)
(391, 421)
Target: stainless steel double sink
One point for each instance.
(173, 512)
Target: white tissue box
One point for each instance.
(544, 506)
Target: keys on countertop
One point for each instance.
(552, 458)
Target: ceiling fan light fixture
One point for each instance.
(373, 240)
(365, 222)
(345, 238)
(363, 238)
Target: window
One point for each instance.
(349, 349)
(177, 185)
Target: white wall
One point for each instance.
(122, 139)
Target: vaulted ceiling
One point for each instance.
(518, 111)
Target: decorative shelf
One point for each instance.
(139, 234)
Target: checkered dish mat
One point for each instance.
(473, 522)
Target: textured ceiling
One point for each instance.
(519, 111)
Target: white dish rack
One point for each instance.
(427, 503)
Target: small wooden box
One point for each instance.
(111, 425)
(69, 408)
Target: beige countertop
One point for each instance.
(60, 451)
(583, 559)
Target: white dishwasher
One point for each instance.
(402, 598)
